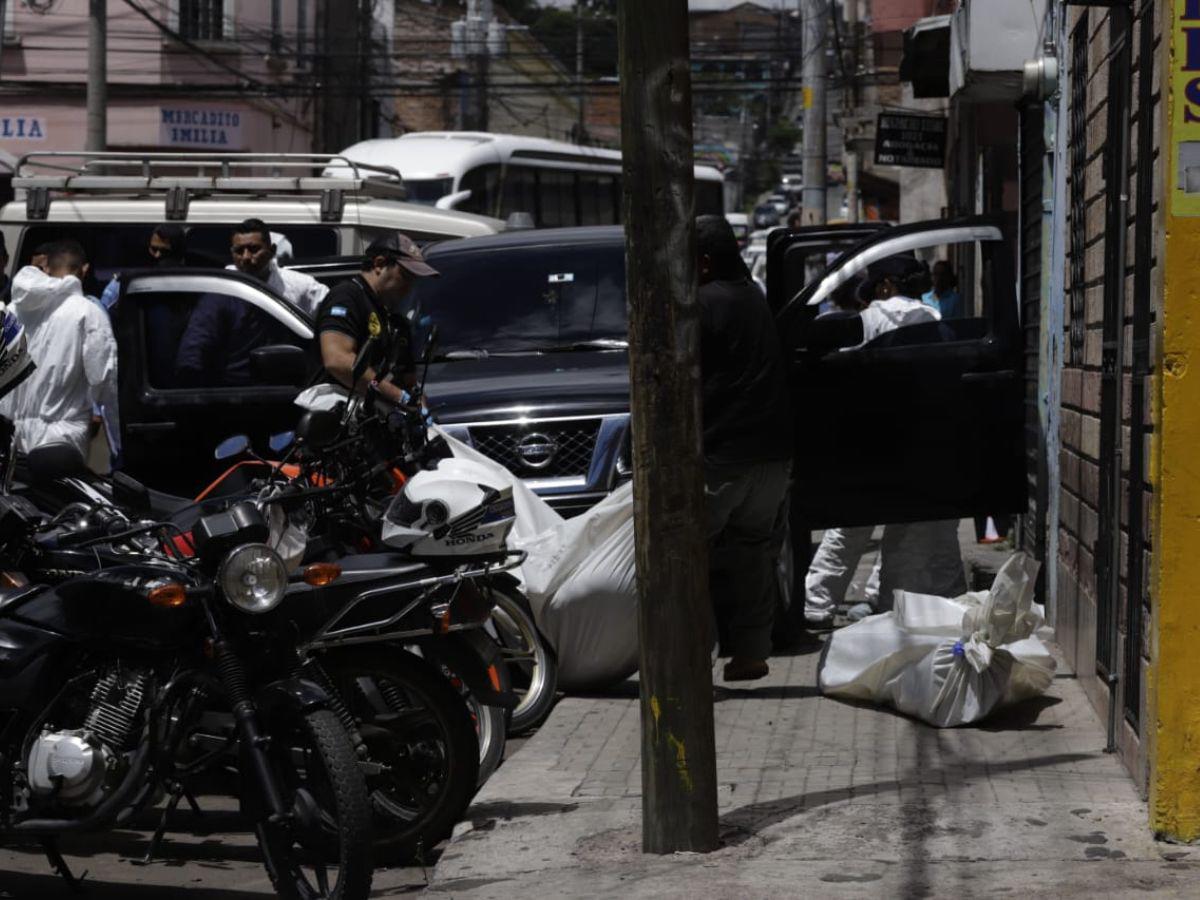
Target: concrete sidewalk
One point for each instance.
(822, 798)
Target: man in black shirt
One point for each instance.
(747, 447)
(368, 305)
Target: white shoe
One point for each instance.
(859, 611)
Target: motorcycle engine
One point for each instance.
(71, 766)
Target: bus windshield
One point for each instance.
(428, 191)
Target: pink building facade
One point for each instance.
(188, 75)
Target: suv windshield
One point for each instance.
(523, 300)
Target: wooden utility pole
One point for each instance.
(679, 772)
(97, 86)
(815, 18)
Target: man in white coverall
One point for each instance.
(922, 556)
(71, 343)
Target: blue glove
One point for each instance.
(406, 399)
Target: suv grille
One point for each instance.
(540, 449)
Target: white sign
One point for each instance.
(22, 128)
(189, 126)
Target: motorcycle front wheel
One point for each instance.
(418, 734)
(531, 663)
(328, 826)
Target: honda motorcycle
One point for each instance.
(107, 676)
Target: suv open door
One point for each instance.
(923, 423)
(203, 355)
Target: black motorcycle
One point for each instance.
(107, 678)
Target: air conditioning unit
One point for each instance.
(990, 42)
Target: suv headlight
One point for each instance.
(253, 578)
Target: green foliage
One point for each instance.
(555, 29)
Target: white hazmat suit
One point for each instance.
(922, 556)
(71, 343)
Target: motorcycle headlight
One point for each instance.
(253, 578)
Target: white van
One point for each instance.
(110, 202)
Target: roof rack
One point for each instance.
(179, 177)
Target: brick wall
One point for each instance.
(1082, 511)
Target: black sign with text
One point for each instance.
(910, 140)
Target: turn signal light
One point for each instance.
(321, 574)
(170, 595)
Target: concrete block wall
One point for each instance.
(1080, 512)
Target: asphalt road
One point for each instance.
(212, 857)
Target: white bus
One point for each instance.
(501, 174)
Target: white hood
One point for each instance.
(34, 292)
(71, 342)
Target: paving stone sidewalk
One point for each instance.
(823, 798)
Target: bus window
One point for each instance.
(519, 192)
(483, 182)
(596, 193)
(556, 196)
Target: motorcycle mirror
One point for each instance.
(232, 446)
(430, 344)
(280, 442)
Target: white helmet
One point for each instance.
(450, 511)
(15, 362)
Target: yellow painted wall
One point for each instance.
(1174, 685)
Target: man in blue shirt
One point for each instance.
(944, 297)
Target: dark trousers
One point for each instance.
(745, 506)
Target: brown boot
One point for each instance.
(743, 669)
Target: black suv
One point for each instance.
(924, 423)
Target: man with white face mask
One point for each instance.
(71, 342)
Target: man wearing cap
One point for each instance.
(367, 306)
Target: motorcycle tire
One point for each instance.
(415, 724)
(531, 663)
(492, 724)
(336, 799)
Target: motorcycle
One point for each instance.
(107, 675)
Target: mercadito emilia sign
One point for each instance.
(188, 126)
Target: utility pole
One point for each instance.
(815, 15)
(338, 49)
(97, 86)
(581, 130)
(478, 22)
(679, 773)
(850, 92)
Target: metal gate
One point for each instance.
(1078, 164)
(1116, 190)
(1032, 174)
(1143, 263)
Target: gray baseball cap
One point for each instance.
(404, 250)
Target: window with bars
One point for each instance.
(1077, 152)
(203, 20)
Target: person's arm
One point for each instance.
(200, 340)
(100, 361)
(338, 352)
